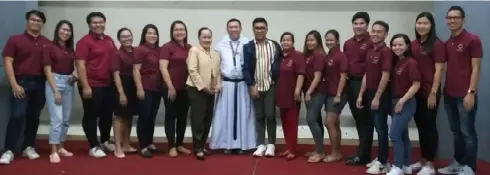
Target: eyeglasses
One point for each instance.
(453, 17)
(260, 28)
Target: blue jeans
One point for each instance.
(462, 124)
(59, 114)
(28, 109)
(380, 121)
(399, 132)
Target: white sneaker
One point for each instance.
(427, 170)
(395, 171)
(370, 164)
(377, 168)
(6, 158)
(270, 150)
(31, 153)
(260, 151)
(96, 152)
(108, 146)
(407, 170)
(466, 170)
(417, 165)
(452, 168)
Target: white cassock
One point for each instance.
(233, 122)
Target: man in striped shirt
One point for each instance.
(260, 71)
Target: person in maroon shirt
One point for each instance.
(122, 72)
(314, 94)
(355, 50)
(22, 59)
(428, 50)
(146, 77)
(405, 84)
(463, 54)
(291, 72)
(336, 75)
(94, 53)
(173, 69)
(58, 60)
(374, 92)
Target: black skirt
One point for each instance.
(131, 107)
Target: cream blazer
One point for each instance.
(204, 68)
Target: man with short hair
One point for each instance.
(260, 71)
(22, 58)
(233, 123)
(464, 53)
(94, 53)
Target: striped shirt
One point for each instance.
(264, 53)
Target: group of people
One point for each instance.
(236, 86)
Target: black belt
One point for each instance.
(232, 80)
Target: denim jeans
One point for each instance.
(313, 108)
(462, 124)
(380, 121)
(399, 132)
(59, 114)
(28, 109)
(148, 111)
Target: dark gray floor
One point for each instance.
(345, 118)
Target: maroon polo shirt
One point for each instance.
(123, 62)
(176, 54)
(378, 60)
(97, 51)
(314, 63)
(356, 49)
(404, 74)
(61, 59)
(26, 50)
(147, 56)
(459, 52)
(426, 61)
(292, 65)
(335, 63)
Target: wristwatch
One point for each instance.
(471, 91)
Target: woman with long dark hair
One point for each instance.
(291, 76)
(405, 84)
(313, 88)
(146, 77)
(173, 69)
(429, 52)
(58, 60)
(336, 65)
(204, 82)
(122, 72)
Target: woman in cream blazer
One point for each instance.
(204, 81)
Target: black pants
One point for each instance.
(425, 119)
(176, 117)
(98, 110)
(148, 109)
(201, 117)
(27, 109)
(364, 123)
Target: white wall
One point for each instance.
(296, 17)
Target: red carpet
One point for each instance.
(217, 164)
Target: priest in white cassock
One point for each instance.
(233, 127)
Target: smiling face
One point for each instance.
(126, 38)
(311, 42)
(454, 20)
(97, 25)
(179, 32)
(34, 23)
(359, 26)
(398, 46)
(205, 38)
(260, 30)
(234, 29)
(378, 33)
(64, 32)
(151, 36)
(287, 42)
(331, 41)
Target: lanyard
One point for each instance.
(234, 51)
